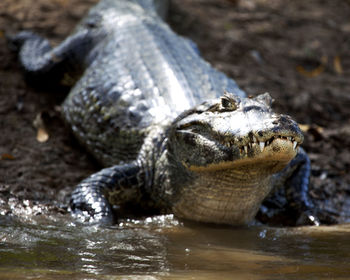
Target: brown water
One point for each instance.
(164, 248)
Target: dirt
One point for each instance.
(298, 51)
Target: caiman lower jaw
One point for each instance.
(274, 156)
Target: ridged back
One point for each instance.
(140, 74)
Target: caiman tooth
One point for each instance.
(255, 140)
(246, 149)
(262, 146)
(289, 138)
(295, 143)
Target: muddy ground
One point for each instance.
(296, 50)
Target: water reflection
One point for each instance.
(164, 248)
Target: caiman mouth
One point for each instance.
(256, 143)
(271, 154)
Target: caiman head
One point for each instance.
(229, 148)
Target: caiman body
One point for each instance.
(174, 133)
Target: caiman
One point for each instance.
(174, 134)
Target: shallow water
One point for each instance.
(164, 248)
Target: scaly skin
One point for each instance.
(135, 108)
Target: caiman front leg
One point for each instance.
(93, 198)
(295, 181)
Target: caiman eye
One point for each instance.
(225, 103)
(228, 103)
